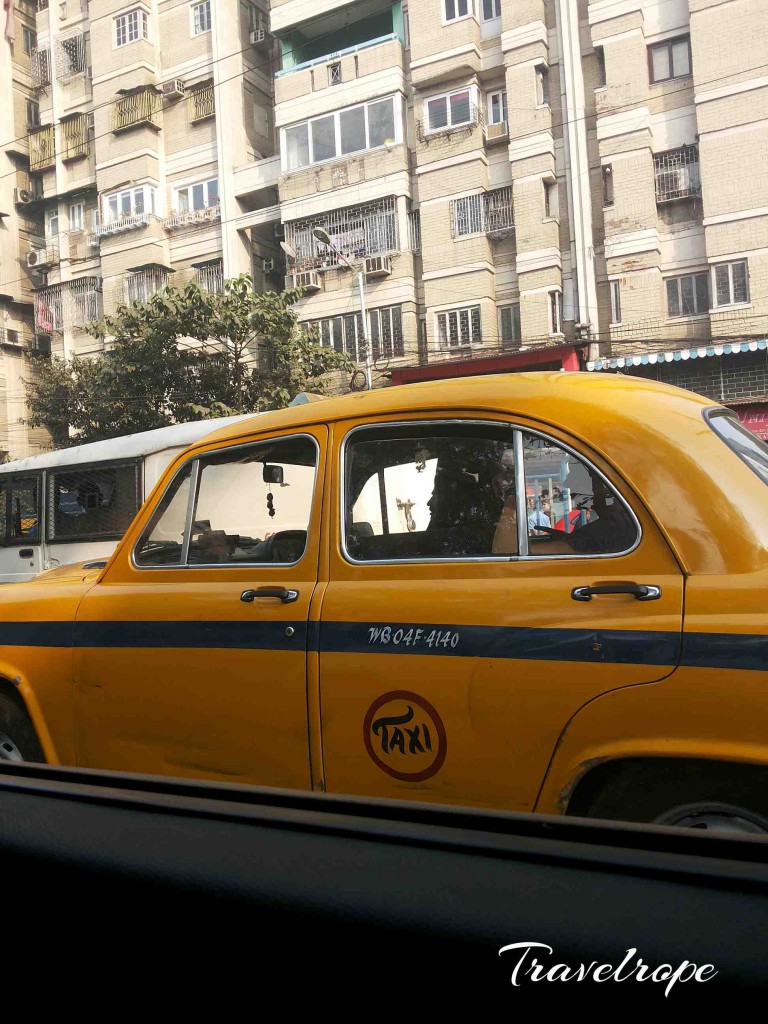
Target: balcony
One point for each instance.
(43, 253)
(356, 231)
(42, 149)
(69, 306)
(130, 222)
(202, 103)
(489, 213)
(71, 59)
(76, 137)
(677, 174)
(192, 218)
(137, 108)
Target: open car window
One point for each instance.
(250, 504)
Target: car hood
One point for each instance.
(77, 572)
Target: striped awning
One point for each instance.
(676, 355)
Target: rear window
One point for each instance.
(740, 440)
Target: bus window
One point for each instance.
(20, 510)
(92, 503)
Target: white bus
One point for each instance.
(75, 504)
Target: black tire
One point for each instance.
(18, 739)
(685, 795)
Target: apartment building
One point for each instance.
(134, 125)
(559, 183)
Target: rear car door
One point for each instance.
(453, 649)
(192, 650)
(21, 522)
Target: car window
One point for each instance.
(570, 507)
(750, 448)
(20, 510)
(252, 505)
(456, 491)
(92, 503)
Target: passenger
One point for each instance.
(505, 535)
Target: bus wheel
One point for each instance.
(18, 739)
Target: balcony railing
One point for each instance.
(130, 222)
(202, 102)
(40, 67)
(141, 285)
(211, 277)
(489, 213)
(63, 307)
(45, 251)
(190, 218)
(356, 231)
(677, 174)
(42, 149)
(136, 108)
(76, 137)
(499, 215)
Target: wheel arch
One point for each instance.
(23, 697)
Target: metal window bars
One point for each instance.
(62, 307)
(76, 139)
(202, 102)
(42, 5)
(459, 328)
(71, 57)
(140, 107)
(414, 231)
(190, 218)
(490, 213)
(677, 174)
(357, 231)
(141, 285)
(42, 149)
(40, 68)
(211, 277)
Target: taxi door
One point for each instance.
(192, 651)
(450, 668)
(21, 554)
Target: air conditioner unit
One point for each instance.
(23, 196)
(309, 280)
(261, 39)
(174, 90)
(497, 132)
(37, 258)
(378, 266)
(268, 266)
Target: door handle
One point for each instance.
(26, 553)
(286, 596)
(640, 591)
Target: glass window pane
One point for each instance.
(750, 448)
(297, 146)
(702, 293)
(565, 495)
(687, 296)
(352, 124)
(681, 61)
(453, 328)
(164, 538)
(125, 203)
(184, 200)
(450, 10)
(437, 112)
(673, 298)
(381, 123)
(198, 197)
(460, 108)
(386, 333)
(463, 7)
(475, 317)
(138, 199)
(92, 504)
(323, 138)
(254, 504)
(337, 331)
(436, 494)
(660, 62)
(740, 290)
(722, 285)
(213, 192)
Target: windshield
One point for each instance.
(743, 442)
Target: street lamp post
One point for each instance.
(322, 236)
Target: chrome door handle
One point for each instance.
(286, 596)
(640, 591)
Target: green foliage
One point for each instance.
(186, 354)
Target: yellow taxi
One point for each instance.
(543, 591)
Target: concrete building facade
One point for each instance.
(520, 182)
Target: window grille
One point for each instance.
(488, 212)
(211, 277)
(40, 67)
(334, 73)
(357, 231)
(42, 149)
(75, 133)
(67, 306)
(202, 103)
(459, 328)
(509, 326)
(387, 332)
(141, 285)
(414, 231)
(92, 502)
(677, 174)
(136, 108)
(71, 57)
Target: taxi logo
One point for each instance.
(405, 736)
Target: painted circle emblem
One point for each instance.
(405, 736)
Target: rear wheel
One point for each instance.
(715, 817)
(18, 739)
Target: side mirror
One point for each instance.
(273, 474)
